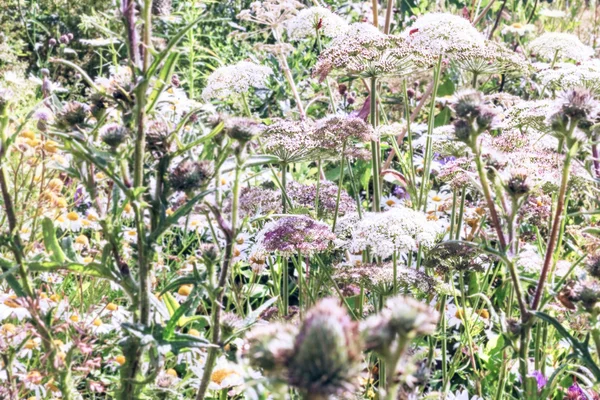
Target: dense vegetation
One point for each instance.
(299, 199)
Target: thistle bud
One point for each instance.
(52, 42)
(463, 130)
(209, 253)
(593, 266)
(270, 347)
(113, 135)
(5, 96)
(190, 175)
(99, 104)
(327, 351)
(485, 118)
(230, 323)
(468, 104)
(402, 317)
(72, 115)
(64, 39)
(518, 184)
(242, 129)
(157, 138)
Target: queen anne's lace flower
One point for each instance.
(568, 76)
(235, 79)
(290, 140)
(306, 23)
(333, 132)
(494, 58)
(399, 229)
(560, 45)
(364, 50)
(444, 35)
(271, 13)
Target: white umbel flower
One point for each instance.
(560, 45)
(568, 76)
(400, 229)
(306, 23)
(444, 35)
(235, 79)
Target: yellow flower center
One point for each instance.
(97, 322)
(390, 202)
(112, 307)
(171, 372)
(120, 360)
(73, 216)
(221, 374)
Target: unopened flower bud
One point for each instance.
(64, 39)
(113, 135)
(270, 347)
(52, 42)
(463, 130)
(327, 351)
(190, 175)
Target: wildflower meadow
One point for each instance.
(300, 199)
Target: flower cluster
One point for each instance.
(295, 235)
(311, 20)
(236, 79)
(559, 45)
(397, 230)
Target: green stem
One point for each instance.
(339, 191)
(428, 154)
(221, 285)
(375, 149)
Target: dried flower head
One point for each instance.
(560, 45)
(335, 133)
(455, 256)
(327, 351)
(235, 79)
(242, 129)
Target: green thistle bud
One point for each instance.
(468, 104)
(190, 175)
(113, 135)
(242, 129)
(463, 130)
(270, 347)
(518, 184)
(327, 352)
(72, 115)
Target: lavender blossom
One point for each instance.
(296, 234)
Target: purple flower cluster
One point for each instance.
(296, 234)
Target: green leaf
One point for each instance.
(165, 53)
(181, 212)
(92, 269)
(580, 349)
(163, 80)
(51, 242)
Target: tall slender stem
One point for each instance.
(558, 214)
(339, 191)
(220, 289)
(375, 149)
(427, 155)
